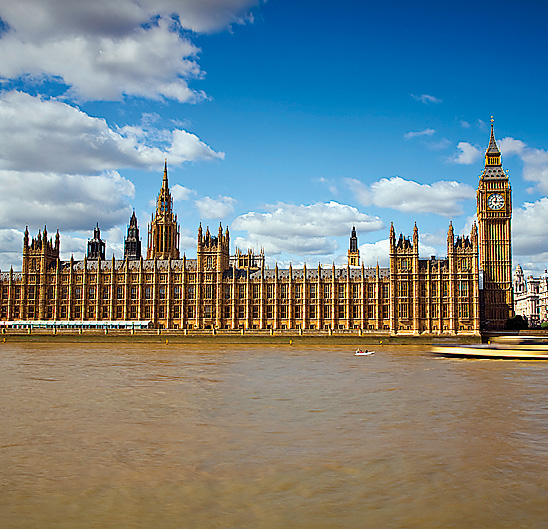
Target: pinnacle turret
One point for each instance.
(132, 242)
(96, 246)
(353, 252)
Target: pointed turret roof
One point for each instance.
(96, 246)
(493, 148)
(353, 240)
(493, 163)
(133, 219)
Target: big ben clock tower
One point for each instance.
(494, 210)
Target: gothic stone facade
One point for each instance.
(412, 296)
(217, 290)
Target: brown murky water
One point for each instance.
(124, 436)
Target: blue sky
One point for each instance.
(288, 121)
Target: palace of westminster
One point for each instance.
(463, 293)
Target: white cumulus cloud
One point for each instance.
(468, 154)
(187, 242)
(529, 234)
(104, 17)
(442, 197)
(535, 168)
(188, 147)
(529, 237)
(509, 146)
(377, 252)
(37, 134)
(104, 50)
(69, 202)
(153, 62)
(180, 193)
(303, 229)
(535, 161)
(215, 208)
(297, 245)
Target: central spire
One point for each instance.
(163, 232)
(164, 181)
(164, 203)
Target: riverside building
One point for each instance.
(218, 290)
(531, 297)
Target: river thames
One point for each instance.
(269, 436)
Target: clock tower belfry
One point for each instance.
(494, 209)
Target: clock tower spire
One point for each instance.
(494, 210)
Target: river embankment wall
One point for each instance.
(350, 337)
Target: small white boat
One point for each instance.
(359, 352)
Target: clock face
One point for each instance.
(495, 201)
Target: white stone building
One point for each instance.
(531, 297)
